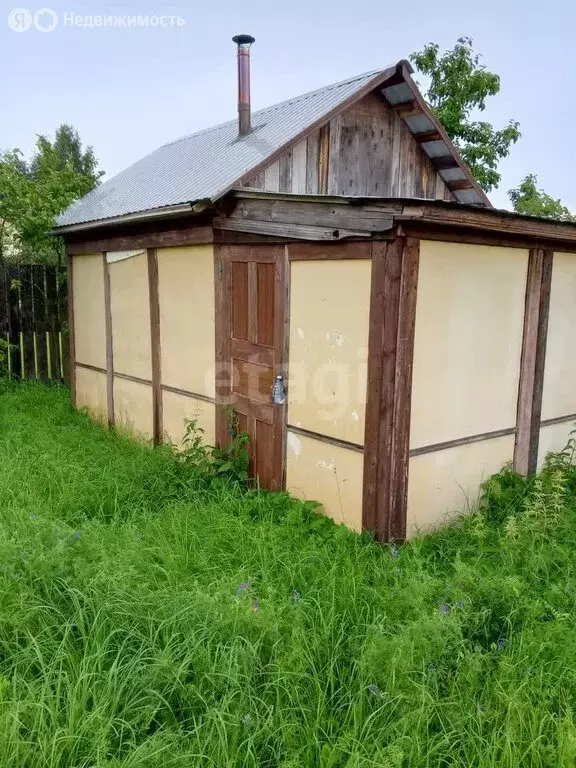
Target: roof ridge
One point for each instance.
(271, 107)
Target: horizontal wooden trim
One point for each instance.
(135, 379)
(88, 367)
(287, 231)
(326, 439)
(252, 353)
(497, 238)
(162, 239)
(462, 441)
(557, 420)
(350, 250)
(187, 393)
(432, 213)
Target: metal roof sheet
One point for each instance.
(206, 164)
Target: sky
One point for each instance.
(129, 90)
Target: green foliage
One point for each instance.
(459, 84)
(527, 198)
(32, 195)
(148, 619)
(5, 351)
(229, 463)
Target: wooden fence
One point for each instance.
(33, 322)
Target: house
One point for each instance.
(327, 276)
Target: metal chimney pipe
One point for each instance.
(243, 42)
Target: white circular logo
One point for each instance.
(45, 20)
(20, 19)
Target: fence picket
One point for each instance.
(33, 320)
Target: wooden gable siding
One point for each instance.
(367, 150)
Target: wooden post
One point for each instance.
(531, 382)
(72, 363)
(109, 343)
(157, 420)
(390, 353)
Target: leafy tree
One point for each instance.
(32, 195)
(529, 199)
(66, 153)
(460, 84)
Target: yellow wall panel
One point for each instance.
(130, 305)
(133, 407)
(446, 482)
(91, 393)
(559, 395)
(176, 409)
(468, 341)
(553, 438)
(329, 309)
(326, 473)
(89, 320)
(186, 291)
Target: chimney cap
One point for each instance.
(243, 40)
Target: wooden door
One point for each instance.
(251, 350)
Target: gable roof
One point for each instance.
(207, 164)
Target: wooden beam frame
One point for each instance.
(390, 354)
(157, 420)
(71, 339)
(531, 382)
(177, 235)
(109, 343)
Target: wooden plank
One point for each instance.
(265, 303)
(71, 341)
(326, 439)
(252, 353)
(459, 441)
(222, 331)
(89, 367)
(342, 215)
(403, 388)
(378, 301)
(240, 328)
(426, 136)
(332, 184)
(135, 379)
(475, 217)
(252, 380)
(109, 343)
(347, 250)
(390, 353)
(540, 360)
(285, 232)
(183, 235)
(281, 348)
(186, 393)
(299, 168)
(285, 172)
(323, 158)
(157, 415)
(532, 361)
(312, 163)
(395, 156)
(252, 305)
(272, 177)
(256, 410)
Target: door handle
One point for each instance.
(278, 391)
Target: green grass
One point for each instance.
(147, 619)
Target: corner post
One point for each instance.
(157, 420)
(530, 386)
(109, 343)
(71, 339)
(390, 354)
